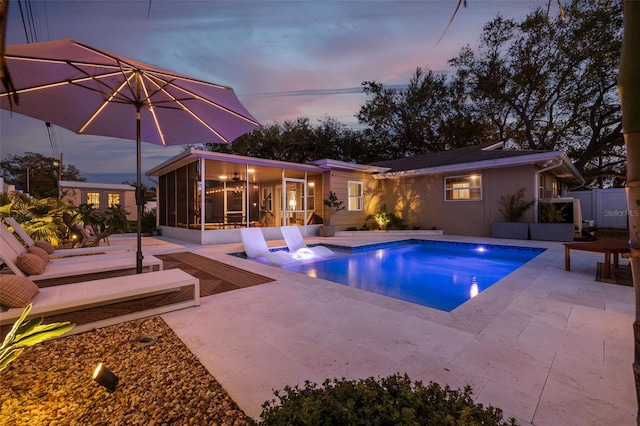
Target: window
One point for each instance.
(311, 196)
(463, 188)
(114, 199)
(93, 198)
(355, 200)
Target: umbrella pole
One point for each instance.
(139, 193)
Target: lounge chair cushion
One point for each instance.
(30, 264)
(45, 245)
(40, 252)
(16, 292)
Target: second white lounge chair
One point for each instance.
(293, 237)
(11, 248)
(256, 247)
(26, 238)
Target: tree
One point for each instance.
(426, 116)
(629, 91)
(540, 94)
(298, 141)
(36, 174)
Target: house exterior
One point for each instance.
(204, 197)
(101, 195)
(459, 190)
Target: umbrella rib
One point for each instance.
(153, 112)
(104, 104)
(184, 107)
(210, 102)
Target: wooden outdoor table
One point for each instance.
(606, 247)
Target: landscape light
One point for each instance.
(105, 377)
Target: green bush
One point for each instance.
(393, 400)
(148, 221)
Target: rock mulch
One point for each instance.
(161, 381)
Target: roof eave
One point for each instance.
(192, 154)
(487, 164)
(327, 163)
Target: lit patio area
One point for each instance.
(547, 346)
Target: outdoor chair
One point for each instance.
(13, 254)
(26, 239)
(255, 246)
(293, 237)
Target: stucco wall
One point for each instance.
(419, 201)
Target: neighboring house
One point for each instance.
(204, 196)
(101, 195)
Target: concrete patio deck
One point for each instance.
(548, 346)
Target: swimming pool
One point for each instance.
(438, 274)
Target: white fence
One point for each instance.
(607, 207)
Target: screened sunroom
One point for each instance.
(204, 197)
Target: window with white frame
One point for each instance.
(93, 198)
(463, 188)
(355, 197)
(114, 199)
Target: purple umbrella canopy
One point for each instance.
(95, 92)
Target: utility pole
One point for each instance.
(59, 164)
(60, 169)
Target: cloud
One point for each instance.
(284, 59)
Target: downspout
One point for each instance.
(536, 197)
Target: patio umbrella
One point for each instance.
(95, 92)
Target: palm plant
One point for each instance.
(28, 333)
(42, 219)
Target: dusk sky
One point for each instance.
(284, 59)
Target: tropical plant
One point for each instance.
(513, 207)
(334, 205)
(385, 220)
(551, 213)
(391, 400)
(28, 333)
(148, 221)
(103, 222)
(42, 219)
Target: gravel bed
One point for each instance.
(161, 382)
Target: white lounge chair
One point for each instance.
(256, 247)
(293, 237)
(26, 238)
(11, 248)
(77, 296)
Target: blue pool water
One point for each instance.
(439, 274)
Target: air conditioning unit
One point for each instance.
(571, 211)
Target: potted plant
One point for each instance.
(334, 205)
(513, 207)
(552, 224)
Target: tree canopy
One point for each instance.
(36, 173)
(540, 83)
(550, 83)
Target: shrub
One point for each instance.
(393, 400)
(513, 207)
(385, 220)
(148, 221)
